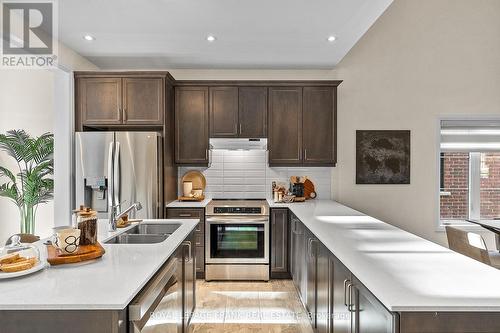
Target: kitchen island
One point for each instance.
(393, 279)
(101, 287)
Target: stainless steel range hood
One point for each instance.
(238, 144)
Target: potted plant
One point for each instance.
(32, 184)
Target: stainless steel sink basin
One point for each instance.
(145, 233)
(127, 238)
(153, 229)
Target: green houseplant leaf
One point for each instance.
(32, 184)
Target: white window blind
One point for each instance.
(470, 135)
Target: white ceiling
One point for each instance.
(267, 34)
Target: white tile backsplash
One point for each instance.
(245, 174)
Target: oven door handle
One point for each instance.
(236, 220)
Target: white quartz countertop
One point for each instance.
(189, 204)
(404, 271)
(110, 282)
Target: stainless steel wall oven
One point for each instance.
(237, 240)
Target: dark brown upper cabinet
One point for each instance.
(285, 126)
(143, 101)
(191, 125)
(99, 101)
(224, 112)
(252, 112)
(319, 125)
(238, 112)
(119, 100)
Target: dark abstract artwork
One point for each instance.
(382, 157)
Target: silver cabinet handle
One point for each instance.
(124, 111)
(110, 174)
(188, 244)
(184, 215)
(345, 291)
(116, 175)
(206, 154)
(305, 153)
(311, 241)
(240, 128)
(349, 298)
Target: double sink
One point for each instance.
(145, 233)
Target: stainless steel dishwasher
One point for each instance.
(158, 307)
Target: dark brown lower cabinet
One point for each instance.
(189, 280)
(337, 302)
(341, 316)
(199, 233)
(297, 256)
(311, 275)
(324, 289)
(370, 316)
(279, 243)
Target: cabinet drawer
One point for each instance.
(186, 213)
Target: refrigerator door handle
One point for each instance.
(110, 175)
(116, 175)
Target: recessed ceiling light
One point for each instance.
(211, 38)
(332, 38)
(89, 38)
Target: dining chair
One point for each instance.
(471, 245)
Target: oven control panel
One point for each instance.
(237, 210)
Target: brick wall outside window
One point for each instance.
(490, 185)
(455, 187)
(454, 203)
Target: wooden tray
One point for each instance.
(191, 198)
(84, 253)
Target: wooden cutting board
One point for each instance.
(84, 253)
(308, 188)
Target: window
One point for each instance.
(469, 171)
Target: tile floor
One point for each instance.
(249, 307)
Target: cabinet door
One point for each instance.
(311, 273)
(319, 125)
(279, 243)
(189, 278)
(370, 316)
(298, 257)
(143, 101)
(342, 315)
(224, 112)
(285, 126)
(191, 125)
(324, 290)
(99, 101)
(253, 112)
(295, 268)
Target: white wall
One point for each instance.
(26, 102)
(419, 61)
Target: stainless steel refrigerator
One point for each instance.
(119, 168)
